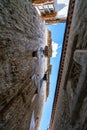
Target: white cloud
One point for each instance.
(54, 54)
(55, 48)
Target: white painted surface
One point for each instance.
(32, 124)
(62, 7)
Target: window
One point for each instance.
(40, 7)
(51, 6)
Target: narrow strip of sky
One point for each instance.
(57, 38)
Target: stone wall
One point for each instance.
(21, 33)
(71, 111)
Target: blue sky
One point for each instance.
(57, 38)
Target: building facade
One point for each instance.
(22, 35)
(46, 10)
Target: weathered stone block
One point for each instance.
(21, 32)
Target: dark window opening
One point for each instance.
(34, 54)
(45, 77)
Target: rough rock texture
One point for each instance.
(21, 33)
(71, 111)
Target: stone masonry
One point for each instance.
(21, 33)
